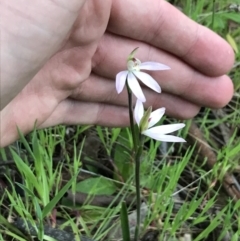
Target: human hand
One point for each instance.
(76, 86)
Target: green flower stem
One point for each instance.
(137, 183)
(138, 148)
(130, 107)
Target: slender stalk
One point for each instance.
(130, 108)
(138, 147)
(137, 183)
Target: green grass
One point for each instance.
(183, 195)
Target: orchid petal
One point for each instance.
(165, 129)
(148, 80)
(138, 111)
(121, 80)
(156, 116)
(165, 138)
(135, 87)
(153, 66)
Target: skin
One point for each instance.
(59, 60)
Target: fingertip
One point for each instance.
(229, 57)
(210, 54)
(224, 94)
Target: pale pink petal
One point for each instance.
(135, 87)
(153, 66)
(165, 138)
(121, 80)
(138, 111)
(148, 80)
(165, 129)
(156, 116)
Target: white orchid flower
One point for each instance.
(158, 133)
(133, 74)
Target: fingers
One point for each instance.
(180, 80)
(162, 25)
(102, 90)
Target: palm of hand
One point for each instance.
(45, 98)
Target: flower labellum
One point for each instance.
(158, 133)
(133, 74)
